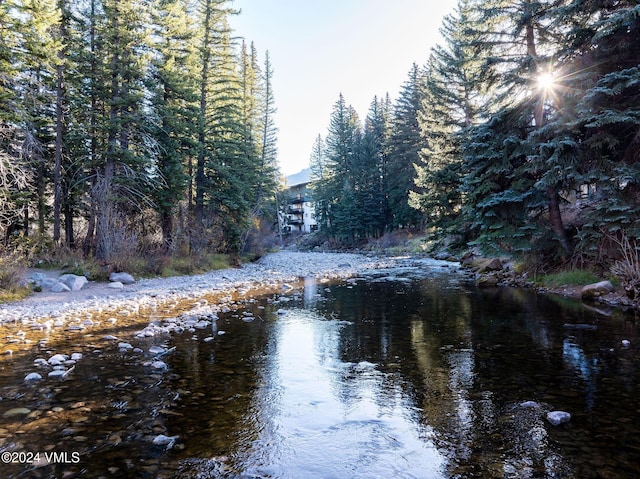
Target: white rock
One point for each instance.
(125, 346)
(159, 365)
(124, 278)
(57, 359)
(33, 377)
(558, 417)
(75, 283)
(626, 343)
(60, 288)
(58, 373)
(116, 285)
(162, 440)
(76, 356)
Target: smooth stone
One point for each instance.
(58, 373)
(57, 359)
(116, 285)
(17, 411)
(558, 417)
(162, 440)
(124, 278)
(33, 377)
(596, 289)
(60, 288)
(626, 343)
(74, 282)
(159, 365)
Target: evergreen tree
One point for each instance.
(122, 182)
(405, 144)
(14, 173)
(337, 189)
(372, 191)
(512, 35)
(452, 103)
(175, 105)
(319, 175)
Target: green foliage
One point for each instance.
(578, 277)
(150, 106)
(11, 277)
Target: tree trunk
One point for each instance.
(555, 218)
(166, 222)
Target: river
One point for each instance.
(410, 373)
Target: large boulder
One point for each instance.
(74, 282)
(487, 280)
(60, 288)
(124, 278)
(484, 265)
(596, 289)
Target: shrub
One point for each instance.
(574, 277)
(627, 268)
(11, 277)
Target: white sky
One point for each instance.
(321, 48)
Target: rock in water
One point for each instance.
(33, 377)
(558, 417)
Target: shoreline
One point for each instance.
(271, 271)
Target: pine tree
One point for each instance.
(319, 175)
(405, 144)
(14, 173)
(452, 103)
(512, 37)
(175, 105)
(374, 155)
(337, 189)
(121, 178)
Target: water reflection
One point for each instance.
(321, 417)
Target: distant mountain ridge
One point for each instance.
(299, 178)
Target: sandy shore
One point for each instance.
(271, 270)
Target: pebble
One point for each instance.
(159, 365)
(162, 440)
(282, 267)
(558, 417)
(33, 377)
(17, 411)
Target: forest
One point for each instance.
(132, 128)
(520, 136)
(144, 129)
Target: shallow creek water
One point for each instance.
(391, 375)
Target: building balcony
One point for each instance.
(294, 211)
(295, 221)
(297, 201)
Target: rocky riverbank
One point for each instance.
(270, 271)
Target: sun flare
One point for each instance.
(546, 81)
